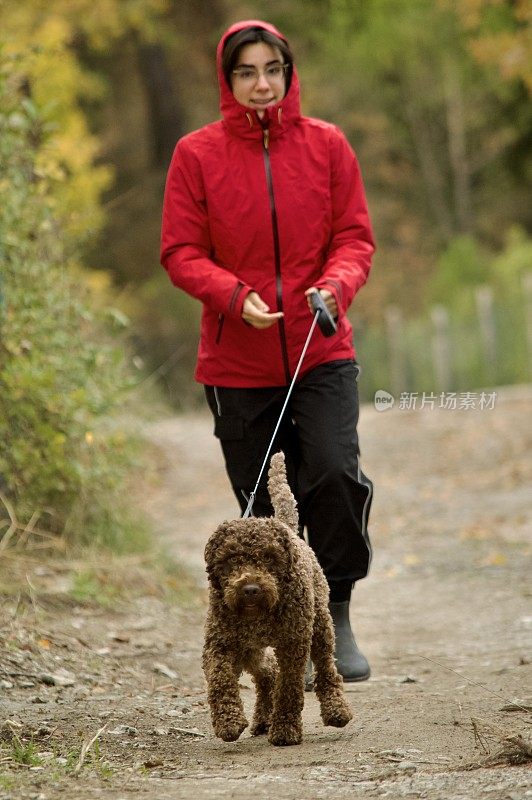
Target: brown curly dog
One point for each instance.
(267, 590)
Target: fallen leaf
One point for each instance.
(162, 669)
(153, 762)
(124, 730)
(495, 559)
(517, 705)
(118, 637)
(477, 533)
(59, 678)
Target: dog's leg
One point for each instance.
(227, 711)
(328, 684)
(286, 727)
(263, 669)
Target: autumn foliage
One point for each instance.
(63, 461)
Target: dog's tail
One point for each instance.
(283, 500)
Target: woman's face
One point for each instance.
(258, 79)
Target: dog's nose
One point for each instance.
(251, 590)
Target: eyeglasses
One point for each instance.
(250, 75)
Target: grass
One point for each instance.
(89, 586)
(95, 578)
(120, 563)
(25, 753)
(6, 782)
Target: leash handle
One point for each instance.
(249, 507)
(326, 321)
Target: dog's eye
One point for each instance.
(273, 554)
(224, 567)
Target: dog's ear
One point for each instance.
(212, 548)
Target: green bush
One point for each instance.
(62, 374)
(460, 268)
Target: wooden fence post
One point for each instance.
(527, 292)
(441, 348)
(488, 333)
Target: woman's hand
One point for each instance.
(255, 312)
(328, 297)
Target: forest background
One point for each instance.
(434, 95)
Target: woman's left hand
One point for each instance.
(328, 297)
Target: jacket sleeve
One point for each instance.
(185, 240)
(352, 245)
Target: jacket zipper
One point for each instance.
(221, 320)
(238, 288)
(276, 249)
(232, 303)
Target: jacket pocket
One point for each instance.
(221, 320)
(234, 298)
(229, 428)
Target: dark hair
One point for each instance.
(238, 40)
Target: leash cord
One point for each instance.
(249, 507)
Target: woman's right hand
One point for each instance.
(255, 312)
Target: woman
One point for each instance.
(261, 208)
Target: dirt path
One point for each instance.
(445, 619)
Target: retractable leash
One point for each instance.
(327, 326)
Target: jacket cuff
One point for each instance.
(236, 302)
(336, 291)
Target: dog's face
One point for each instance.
(247, 562)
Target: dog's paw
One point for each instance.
(337, 715)
(285, 735)
(230, 730)
(260, 727)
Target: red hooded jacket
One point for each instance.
(276, 212)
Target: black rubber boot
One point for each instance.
(350, 662)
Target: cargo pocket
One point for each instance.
(229, 428)
(348, 407)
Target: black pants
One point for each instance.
(318, 435)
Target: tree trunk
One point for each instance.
(165, 113)
(457, 149)
(429, 161)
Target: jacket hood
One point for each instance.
(244, 121)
